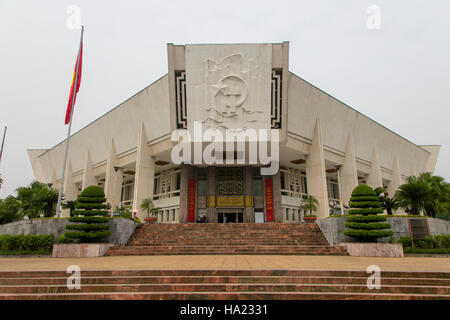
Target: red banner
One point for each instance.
(191, 201)
(269, 199)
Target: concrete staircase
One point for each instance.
(223, 284)
(230, 238)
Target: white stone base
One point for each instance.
(358, 249)
(80, 250)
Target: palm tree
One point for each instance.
(388, 204)
(309, 203)
(37, 198)
(413, 195)
(147, 205)
(439, 195)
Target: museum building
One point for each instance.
(318, 145)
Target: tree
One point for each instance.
(388, 204)
(147, 205)
(364, 222)
(91, 223)
(310, 204)
(414, 195)
(9, 210)
(38, 197)
(438, 198)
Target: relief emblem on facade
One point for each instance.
(227, 92)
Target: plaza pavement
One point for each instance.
(227, 262)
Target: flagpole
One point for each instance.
(58, 205)
(3, 143)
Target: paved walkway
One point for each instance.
(226, 262)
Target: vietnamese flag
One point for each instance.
(75, 82)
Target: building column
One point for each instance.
(55, 183)
(348, 174)
(315, 173)
(70, 188)
(276, 185)
(374, 178)
(113, 178)
(187, 172)
(249, 215)
(88, 175)
(145, 173)
(212, 184)
(396, 179)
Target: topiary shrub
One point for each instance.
(363, 221)
(91, 223)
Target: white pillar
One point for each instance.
(70, 188)
(145, 173)
(348, 173)
(55, 183)
(396, 179)
(113, 178)
(374, 178)
(315, 173)
(88, 175)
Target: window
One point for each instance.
(166, 184)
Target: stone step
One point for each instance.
(227, 287)
(225, 273)
(222, 296)
(89, 280)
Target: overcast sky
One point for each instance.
(398, 75)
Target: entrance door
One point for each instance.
(230, 215)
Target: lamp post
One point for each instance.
(338, 167)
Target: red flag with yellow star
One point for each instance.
(76, 80)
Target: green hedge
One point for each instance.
(91, 199)
(431, 242)
(89, 219)
(86, 236)
(365, 204)
(91, 212)
(92, 223)
(366, 211)
(26, 244)
(90, 205)
(367, 226)
(87, 227)
(363, 220)
(363, 190)
(372, 218)
(364, 198)
(427, 251)
(368, 235)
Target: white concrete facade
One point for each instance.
(127, 150)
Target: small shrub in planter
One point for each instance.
(91, 223)
(364, 223)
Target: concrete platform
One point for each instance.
(227, 262)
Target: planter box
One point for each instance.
(80, 250)
(359, 249)
(309, 219)
(150, 220)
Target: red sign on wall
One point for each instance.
(269, 199)
(191, 201)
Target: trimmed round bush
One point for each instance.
(89, 217)
(363, 221)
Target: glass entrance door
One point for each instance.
(230, 215)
